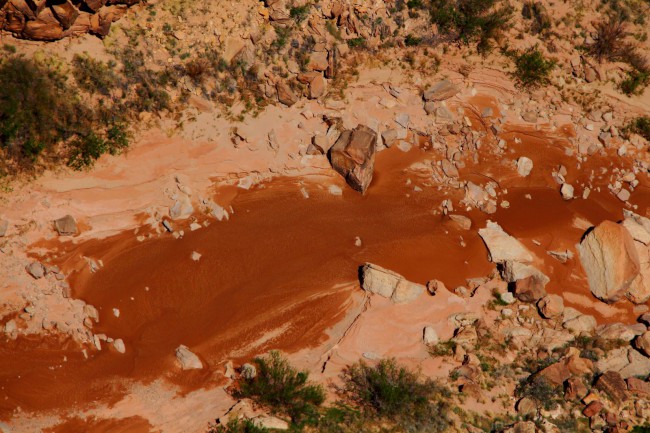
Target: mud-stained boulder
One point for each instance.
(502, 247)
(66, 226)
(610, 260)
(188, 359)
(353, 156)
(441, 91)
(389, 284)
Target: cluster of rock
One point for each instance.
(49, 20)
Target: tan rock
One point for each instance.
(551, 306)
(286, 95)
(610, 259)
(642, 342)
(439, 92)
(353, 156)
(389, 284)
(503, 247)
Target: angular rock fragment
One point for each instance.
(440, 91)
(66, 226)
(353, 156)
(610, 260)
(187, 359)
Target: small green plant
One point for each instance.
(641, 126)
(358, 42)
(397, 394)
(635, 82)
(236, 425)
(641, 429)
(281, 387)
(532, 68)
(412, 41)
(444, 348)
(299, 13)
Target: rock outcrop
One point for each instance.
(353, 156)
(610, 260)
(49, 20)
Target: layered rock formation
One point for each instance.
(49, 20)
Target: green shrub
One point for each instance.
(635, 82)
(641, 429)
(414, 4)
(532, 68)
(281, 387)
(412, 41)
(471, 20)
(641, 126)
(540, 390)
(237, 426)
(397, 395)
(93, 75)
(43, 118)
(357, 42)
(299, 13)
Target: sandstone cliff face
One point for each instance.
(49, 20)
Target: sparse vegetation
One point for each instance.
(471, 20)
(397, 394)
(612, 43)
(44, 120)
(641, 126)
(532, 68)
(540, 390)
(282, 388)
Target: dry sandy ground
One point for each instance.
(317, 312)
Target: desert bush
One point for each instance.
(532, 68)
(641, 126)
(471, 20)
(609, 42)
(299, 13)
(358, 42)
(44, 118)
(236, 425)
(641, 429)
(412, 41)
(635, 82)
(282, 388)
(540, 390)
(94, 76)
(398, 395)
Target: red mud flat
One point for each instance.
(277, 275)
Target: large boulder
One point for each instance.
(610, 260)
(389, 284)
(353, 156)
